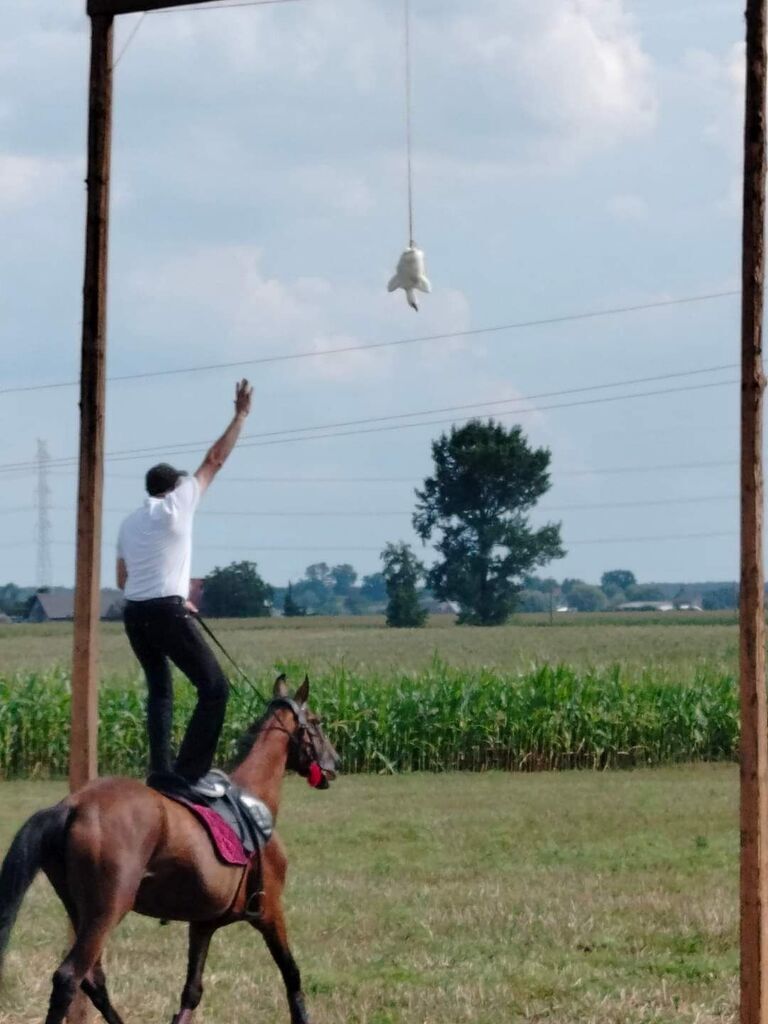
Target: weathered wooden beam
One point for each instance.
(113, 7)
(82, 751)
(754, 726)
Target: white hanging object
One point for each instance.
(410, 275)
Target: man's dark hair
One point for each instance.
(162, 478)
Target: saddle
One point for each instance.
(245, 815)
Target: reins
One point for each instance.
(301, 719)
(254, 689)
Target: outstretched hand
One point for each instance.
(243, 393)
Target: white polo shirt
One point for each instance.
(155, 542)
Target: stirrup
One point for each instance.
(211, 786)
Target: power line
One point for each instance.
(505, 414)
(449, 408)
(663, 467)
(320, 547)
(596, 506)
(180, 446)
(183, 448)
(597, 471)
(221, 7)
(316, 354)
(43, 520)
(387, 513)
(196, 9)
(650, 539)
(567, 543)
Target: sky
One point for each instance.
(569, 157)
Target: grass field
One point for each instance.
(579, 897)
(676, 640)
(451, 898)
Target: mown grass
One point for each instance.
(576, 898)
(676, 639)
(444, 719)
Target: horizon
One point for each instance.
(259, 208)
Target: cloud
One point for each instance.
(221, 298)
(335, 190)
(628, 208)
(718, 79)
(574, 71)
(30, 180)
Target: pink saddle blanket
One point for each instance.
(225, 841)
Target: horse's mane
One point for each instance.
(247, 739)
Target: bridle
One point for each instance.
(309, 765)
(302, 739)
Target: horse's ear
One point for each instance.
(302, 694)
(281, 686)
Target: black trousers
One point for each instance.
(162, 631)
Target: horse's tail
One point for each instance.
(44, 832)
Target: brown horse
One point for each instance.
(118, 845)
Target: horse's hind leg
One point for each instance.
(95, 985)
(95, 988)
(77, 966)
(199, 943)
(98, 907)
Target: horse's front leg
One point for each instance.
(199, 942)
(276, 939)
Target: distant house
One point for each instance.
(59, 606)
(646, 606)
(4, 618)
(436, 607)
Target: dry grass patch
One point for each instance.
(424, 899)
(365, 644)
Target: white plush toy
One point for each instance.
(410, 275)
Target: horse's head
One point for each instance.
(311, 753)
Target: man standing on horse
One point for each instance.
(154, 554)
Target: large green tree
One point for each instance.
(374, 587)
(616, 583)
(486, 480)
(402, 574)
(291, 608)
(236, 591)
(586, 598)
(344, 578)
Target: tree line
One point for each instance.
(475, 510)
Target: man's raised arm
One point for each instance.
(222, 449)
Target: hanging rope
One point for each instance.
(129, 40)
(408, 115)
(182, 10)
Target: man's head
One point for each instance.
(162, 479)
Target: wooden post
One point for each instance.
(754, 726)
(83, 764)
(82, 758)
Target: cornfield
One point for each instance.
(444, 719)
